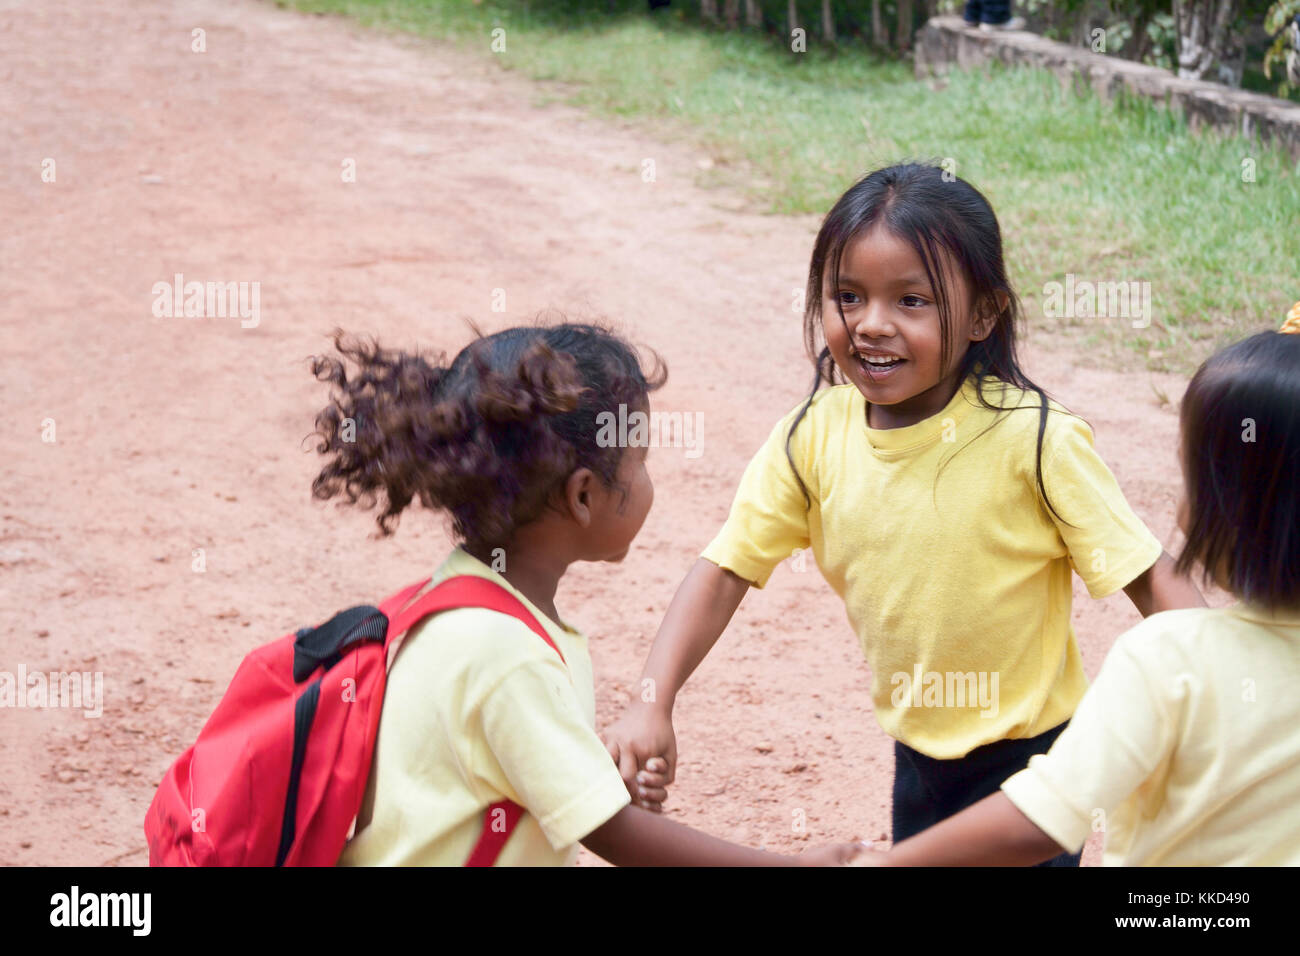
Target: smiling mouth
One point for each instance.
(876, 366)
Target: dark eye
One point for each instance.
(913, 301)
(848, 298)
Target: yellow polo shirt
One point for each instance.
(1186, 749)
(479, 709)
(954, 575)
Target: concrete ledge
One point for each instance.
(945, 42)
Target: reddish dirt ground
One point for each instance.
(176, 434)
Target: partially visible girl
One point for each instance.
(1186, 748)
(478, 709)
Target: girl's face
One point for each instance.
(617, 519)
(889, 344)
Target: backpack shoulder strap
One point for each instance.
(499, 822)
(463, 590)
(466, 590)
(396, 602)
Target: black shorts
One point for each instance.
(927, 790)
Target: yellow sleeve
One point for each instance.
(551, 761)
(1124, 727)
(769, 516)
(1109, 545)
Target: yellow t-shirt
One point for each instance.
(479, 709)
(1186, 749)
(956, 581)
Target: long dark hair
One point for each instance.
(1240, 422)
(934, 212)
(485, 438)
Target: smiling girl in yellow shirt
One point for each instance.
(945, 498)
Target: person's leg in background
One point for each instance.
(994, 11)
(996, 15)
(972, 13)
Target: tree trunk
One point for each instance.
(753, 14)
(828, 22)
(709, 10)
(1202, 30)
(1141, 36)
(731, 13)
(792, 16)
(904, 35)
(878, 35)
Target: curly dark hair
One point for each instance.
(486, 439)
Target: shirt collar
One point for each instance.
(1262, 615)
(891, 442)
(461, 561)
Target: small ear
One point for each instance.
(987, 318)
(578, 488)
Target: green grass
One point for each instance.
(1109, 192)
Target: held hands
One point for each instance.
(643, 746)
(869, 855)
(649, 787)
(837, 854)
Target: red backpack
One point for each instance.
(278, 773)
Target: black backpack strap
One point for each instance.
(304, 712)
(314, 646)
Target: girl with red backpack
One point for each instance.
(486, 750)
(476, 743)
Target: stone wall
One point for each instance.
(945, 42)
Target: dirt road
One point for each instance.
(178, 442)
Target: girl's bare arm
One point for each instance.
(700, 610)
(635, 837)
(989, 833)
(1161, 588)
(704, 604)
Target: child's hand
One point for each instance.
(837, 854)
(870, 855)
(651, 785)
(644, 747)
